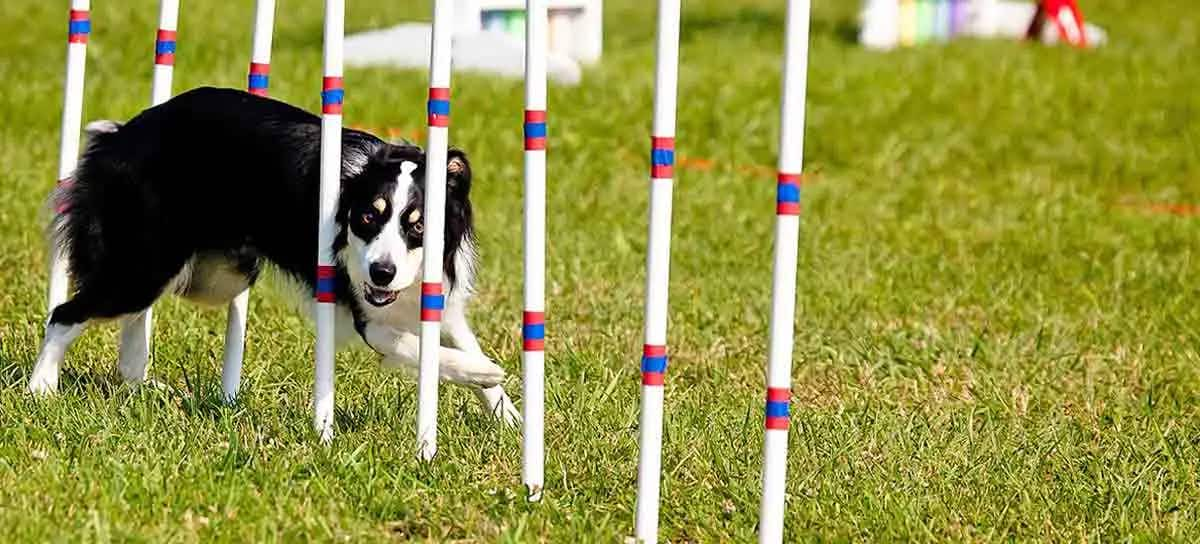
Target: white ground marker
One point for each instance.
(534, 321)
(432, 298)
(79, 27)
(332, 97)
(658, 260)
(783, 290)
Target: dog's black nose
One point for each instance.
(382, 273)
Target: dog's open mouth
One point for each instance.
(379, 297)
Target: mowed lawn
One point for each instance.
(996, 335)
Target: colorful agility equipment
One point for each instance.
(1065, 17)
(889, 23)
(533, 354)
(658, 260)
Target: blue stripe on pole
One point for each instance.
(164, 47)
(662, 157)
(787, 193)
(332, 96)
(534, 331)
(439, 107)
(777, 409)
(433, 302)
(535, 130)
(654, 364)
(258, 81)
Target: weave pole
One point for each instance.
(258, 77)
(534, 329)
(332, 97)
(164, 51)
(79, 27)
(658, 261)
(256, 83)
(432, 299)
(137, 331)
(783, 288)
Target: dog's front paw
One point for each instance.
(497, 404)
(43, 386)
(473, 369)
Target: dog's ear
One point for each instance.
(394, 154)
(458, 173)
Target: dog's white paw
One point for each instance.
(497, 403)
(473, 369)
(43, 386)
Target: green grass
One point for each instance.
(996, 332)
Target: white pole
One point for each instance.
(79, 26)
(534, 329)
(332, 97)
(164, 51)
(658, 260)
(256, 83)
(432, 299)
(783, 289)
(135, 344)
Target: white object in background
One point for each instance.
(407, 46)
(880, 27)
(583, 21)
(484, 40)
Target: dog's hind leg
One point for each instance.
(67, 321)
(134, 353)
(59, 337)
(493, 399)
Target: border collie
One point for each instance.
(196, 195)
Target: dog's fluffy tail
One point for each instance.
(102, 126)
(63, 197)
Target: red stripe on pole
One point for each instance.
(778, 394)
(777, 423)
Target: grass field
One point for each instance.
(996, 331)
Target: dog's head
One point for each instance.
(381, 209)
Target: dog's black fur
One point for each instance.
(226, 175)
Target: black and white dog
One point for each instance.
(196, 195)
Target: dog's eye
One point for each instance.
(365, 218)
(418, 228)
